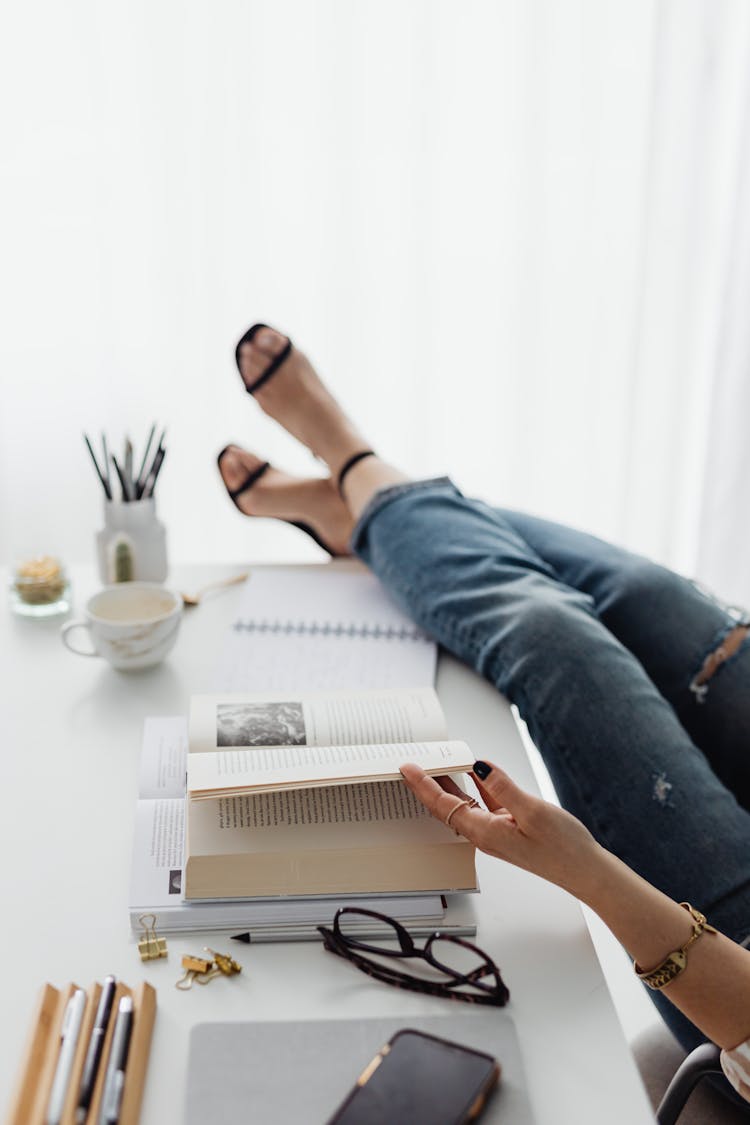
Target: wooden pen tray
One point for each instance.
(29, 1103)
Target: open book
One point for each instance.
(316, 837)
(244, 744)
(156, 876)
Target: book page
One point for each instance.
(163, 757)
(156, 879)
(158, 843)
(321, 819)
(315, 719)
(226, 772)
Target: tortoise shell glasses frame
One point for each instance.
(478, 989)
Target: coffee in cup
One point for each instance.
(131, 625)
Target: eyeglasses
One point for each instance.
(470, 974)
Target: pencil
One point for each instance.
(159, 450)
(105, 485)
(106, 463)
(148, 489)
(128, 469)
(141, 479)
(123, 482)
(157, 467)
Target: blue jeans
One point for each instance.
(598, 648)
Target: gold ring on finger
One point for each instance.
(459, 804)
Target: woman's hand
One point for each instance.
(523, 830)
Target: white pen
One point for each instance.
(114, 1080)
(69, 1032)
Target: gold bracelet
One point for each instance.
(676, 961)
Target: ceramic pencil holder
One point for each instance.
(132, 545)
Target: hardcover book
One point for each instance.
(322, 820)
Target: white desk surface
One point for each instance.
(71, 738)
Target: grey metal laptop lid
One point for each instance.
(297, 1073)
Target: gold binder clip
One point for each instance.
(151, 947)
(200, 969)
(224, 963)
(196, 964)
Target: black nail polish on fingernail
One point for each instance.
(482, 770)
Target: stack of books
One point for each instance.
(273, 808)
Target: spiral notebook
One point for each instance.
(317, 628)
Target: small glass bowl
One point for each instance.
(39, 588)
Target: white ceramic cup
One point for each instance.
(132, 625)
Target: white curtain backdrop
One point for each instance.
(513, 235)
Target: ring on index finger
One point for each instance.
(469, 802)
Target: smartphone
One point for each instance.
(419, 1079)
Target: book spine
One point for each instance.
(330, 629)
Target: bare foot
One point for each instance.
(312, 504)
(296, 398)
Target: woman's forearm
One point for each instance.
(713, 990)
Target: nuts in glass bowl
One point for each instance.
(40, 586)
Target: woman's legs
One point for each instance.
(617, 754)
(671, 627)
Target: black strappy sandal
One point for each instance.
(252, 477)
(347, 467)
(273, 366)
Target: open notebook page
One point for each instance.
(318, 628)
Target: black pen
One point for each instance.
(114, 1081)
(94, 1051)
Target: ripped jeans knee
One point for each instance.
(729, 644)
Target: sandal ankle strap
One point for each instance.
(349, 465)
